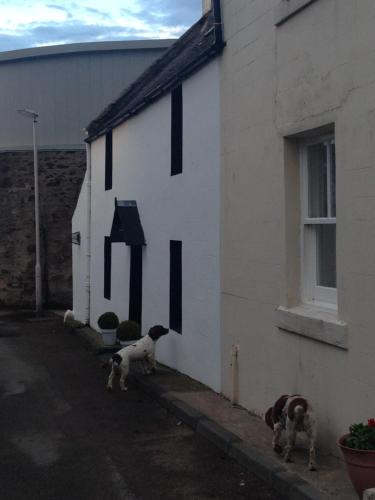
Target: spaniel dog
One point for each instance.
(292, 414)
(142, 350)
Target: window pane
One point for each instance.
(333, 181)
(326, 255)
(317, 180)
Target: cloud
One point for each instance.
(70, 32)
(58, 7)
(172, 13)
(12, 42)
(97, 12)
(117, 21)
(181, 13)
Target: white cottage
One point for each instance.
(147, 219)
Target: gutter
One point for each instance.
(88, 236)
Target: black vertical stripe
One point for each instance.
(107, 267)
(175, 286)
(176, 130)
(135, 286)
(108, 161)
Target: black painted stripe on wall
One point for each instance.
(107, 267)
(175, 286)
(108, 161)
(176, 130)
(135, 286)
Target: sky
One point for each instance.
(36, 23)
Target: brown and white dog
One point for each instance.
(292, 414)
(142, 350)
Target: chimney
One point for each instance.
(206, 6)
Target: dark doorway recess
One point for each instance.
(135, 287)
(107, 267)
(175, 286)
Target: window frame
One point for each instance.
(311, 292)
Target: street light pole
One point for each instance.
(38, 279)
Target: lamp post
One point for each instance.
(28, 113)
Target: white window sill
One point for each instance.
(315, 323)
(288, 8)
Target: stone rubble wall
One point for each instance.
(60, 179)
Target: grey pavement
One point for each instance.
(62, 436)
(241, 434)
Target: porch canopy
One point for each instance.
(126, 225)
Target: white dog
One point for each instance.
(68, 316)
(293, 414)
(142, 350)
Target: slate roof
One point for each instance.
(201, 43)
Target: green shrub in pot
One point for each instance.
(108, 321)
(128, 331)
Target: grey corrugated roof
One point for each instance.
(82, 48)
(201, 43)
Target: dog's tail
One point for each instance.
(116, 358)
(69, 316)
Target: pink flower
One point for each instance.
(371, 422)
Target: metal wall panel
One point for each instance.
(67, 89)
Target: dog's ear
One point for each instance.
(278, 407)
(268, 418)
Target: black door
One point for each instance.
(135, 288)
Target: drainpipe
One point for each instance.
(88, 236)
(215, 6)
(219, 41)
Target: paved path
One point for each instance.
(62, 436)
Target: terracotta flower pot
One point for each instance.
(360, 465)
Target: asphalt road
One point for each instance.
(62, 436)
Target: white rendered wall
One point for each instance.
(79, 223)
(183, 207)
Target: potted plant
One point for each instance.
(127, 332)
(108, 322)
(358, 448)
